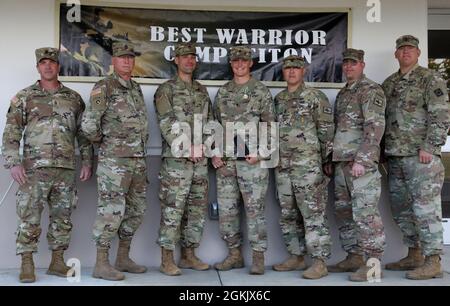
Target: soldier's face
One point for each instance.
(241, 67)
(186, 63)
(407, 55)
(48, 69)
(353, 70)
(123, 64)
(293, 75)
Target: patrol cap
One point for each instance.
(47, 52)
(184, 49)
(407, 40)
(240, 52)
(123, 48)
(293, 61)
(353, 54)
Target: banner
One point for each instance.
(86, 43)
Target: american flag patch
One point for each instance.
(96, 91)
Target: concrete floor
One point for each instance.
(237, 277)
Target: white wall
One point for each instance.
(27, 25)
(439, 19)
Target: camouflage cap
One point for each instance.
(407, 40)
(47, 52)
(184, 49)
(293, 61)
(353, 54)
(240, 52)
(123, 48)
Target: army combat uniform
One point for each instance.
(49, 122)
(306, 132)
(184, 184)
(117, 119)
(359, 118)
(417, 118)
(249, 102)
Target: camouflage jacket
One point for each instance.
(117, 118)
(306, 124)
(250, 102)
(359, 117)
(49, 122)
(177, 101)
(417, 112)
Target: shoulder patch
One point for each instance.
(379, 98)
(378, 102)
(98, 99)
(15, 101)
(438, 92)
(96, 91)
(327, 110)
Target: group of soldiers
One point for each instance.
(407, 117)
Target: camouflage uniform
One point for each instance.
(250, 102)
(117, 119)
(306, 133)
(359, 118)
(417, 118)
(184, 184)
(50, 122)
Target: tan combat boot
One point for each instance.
(168, 265)
(362, 274)
(258, 263)
(234, 260)
(349, 264)
(57, 266)
(412, 261)
(430, 269)
(103, 269)
(123, 261)
(27, 268)
(190, 261)
(293, 262)
(317, 270)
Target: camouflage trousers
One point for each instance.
(356, 206)
(415, 193)
(235, 179)
(303, 195)
(52, 186)
(183, 195)
(122, 184)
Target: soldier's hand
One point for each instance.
(217, 162)
(425, 157)
(358, 170)
(85, 173)
(251, 160)
(18, 174)
(196, 153)
(328, 169)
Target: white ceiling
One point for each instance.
(436, 4)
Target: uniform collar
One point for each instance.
(126, 84)
(38, 87)
(180, 83)
(250, 83)
(297, 91)
(407, 75)
(355, 84)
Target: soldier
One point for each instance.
(117, 120)
(417, 121)
(184, 179)
(306, 133)
(49, 116)
(359, 118)
(242, 100)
